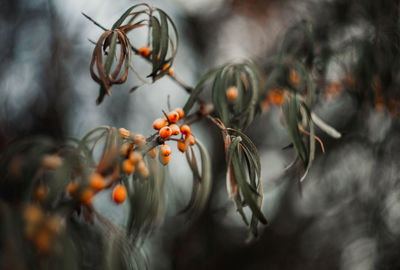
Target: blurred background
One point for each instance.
(346, 215)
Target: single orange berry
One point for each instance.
(135, 156)
(128, 167)
(72, 187)
(119, 194)
(173, 116)
(165, 67)
(232, 93)
(143, 170)
(294, 77)
(182, 146)
(40, 193)
(124, 132)
(51, 162)
(160, 123)
(180, 112)
(165, 132)
(171, 71)
(175, 129)
(126, 148)
(275, 97)
(185, 129)
(86, 196)
(165, 150)
(139, 140)
(144, 51)
(43, 241)
(144, 173)
(97, 181)
(163, 159)
(191, 140)
(153, 152)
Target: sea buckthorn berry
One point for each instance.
(126, 148)
(51, 162)
(171, 71)
(33, 214)
(40, 193)
(72, 187)
(294, 77)
(144, 51)
(182, 146)
(143, 170)
(165, 67)
(128, 166)
(43, 240)
(173, 116)
(175, 129)
(275, 97)
(153, 152)
(119, 194)
(232, 93)
(135, 156)
(163, 159)
(144, 173)
(165, 150)
(159, 123)
(97, 181)
(185, 129)
(124, 132)
(180, 112)
(86, 196)
(191, 140)
(139, 140)
(165, 132)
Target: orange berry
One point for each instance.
(72, 187)
(173, 116)
(165, 67)
(165, 132)
(153, 152)
(86, 196)
(171, 72)
(143, 170)
(126, 148)
(182, 146)
(185, 129)
(180, 112)
(139, 140)
(124, 132)
(97, 181)
(144, 173)
(51, 162)
(175, 129)
(275, 97)
(232, 93)
(40, 192)
(191, 139)
(128, 167)
(33, 214)
(294, 77)
(43, 241)
(160, 123)
(165, 150)
(119, 194)
(135, 156)
(163, 159)
(144, 51)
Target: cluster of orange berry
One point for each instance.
(145, 52)
(41, 229)
(167, 127)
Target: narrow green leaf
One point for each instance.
(118, 23)
(244, 187)
(197, 90)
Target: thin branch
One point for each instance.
(93, 21)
